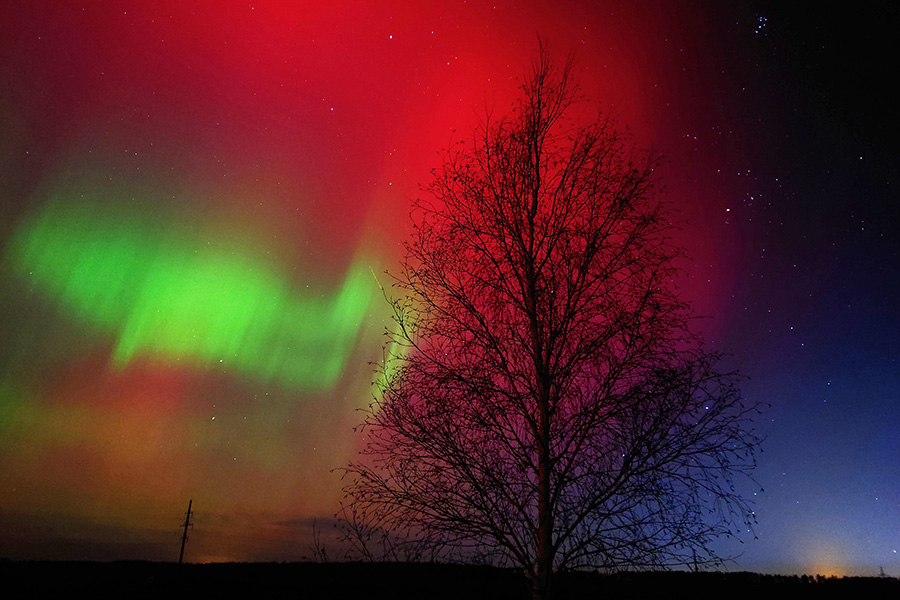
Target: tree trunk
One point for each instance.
(543, 568)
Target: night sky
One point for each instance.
(198, 202)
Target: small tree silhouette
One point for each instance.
(547, 405)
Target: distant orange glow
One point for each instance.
(825, 557)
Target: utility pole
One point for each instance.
(187, 523)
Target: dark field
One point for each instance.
(400, 581)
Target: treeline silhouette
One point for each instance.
(401, 581)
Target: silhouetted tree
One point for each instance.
(544, 402)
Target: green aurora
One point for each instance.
(161, 289)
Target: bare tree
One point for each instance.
(548, 405)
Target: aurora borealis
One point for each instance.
(158, 292)
(199, 201)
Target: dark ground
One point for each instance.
(399, 581)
